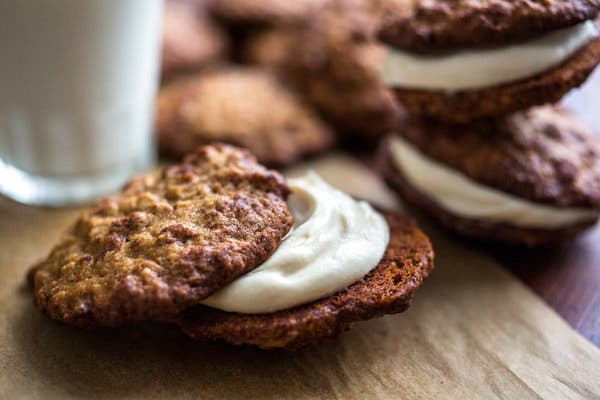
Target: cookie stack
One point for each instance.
(481, 153)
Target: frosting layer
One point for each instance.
(336, 241)
(467, 198)
(478, 69)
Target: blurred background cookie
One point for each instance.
(468, 59)
(243, 106)
(532, 178)
(334, 63)
(261, 12)
(190, 39)
(271, 47)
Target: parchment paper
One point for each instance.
(472, 332)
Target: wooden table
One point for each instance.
(568, 279)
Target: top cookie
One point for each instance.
(429, 26)
(542, 154)
(168, 240)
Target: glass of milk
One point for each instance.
(77, 86)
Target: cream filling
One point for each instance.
(334, 243)
(477, 69)
(464, 197)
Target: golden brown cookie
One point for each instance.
(243, 106)
(542, 156)
(335, 63)
(496, 101)
(429, 26)
(387, 289)
(190, 40)
(168, 240)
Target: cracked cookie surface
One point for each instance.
(169, 239)
(442, 25)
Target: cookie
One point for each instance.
(261, 12)
(497, 101)
(425, 26)
(387, 289)
(168, 240)
(335, 63)
(270, 48)
(190, 40)
(532, 178)
(463, 60)
(243, 106)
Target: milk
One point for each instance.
(77, 85)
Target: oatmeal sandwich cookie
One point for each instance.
(342, 262)
(532, 178)
(210, 245)
(241, 106)
(460, 60)
(168, 240)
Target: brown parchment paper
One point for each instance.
(473, 332)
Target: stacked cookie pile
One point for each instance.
(481, 152)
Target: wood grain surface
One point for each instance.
(567, 278)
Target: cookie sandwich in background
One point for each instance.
(465, 60)
(532, 178)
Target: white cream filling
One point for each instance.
(477, 69)
(334, 243)
(464, 197)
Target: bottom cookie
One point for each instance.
(387, 289)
